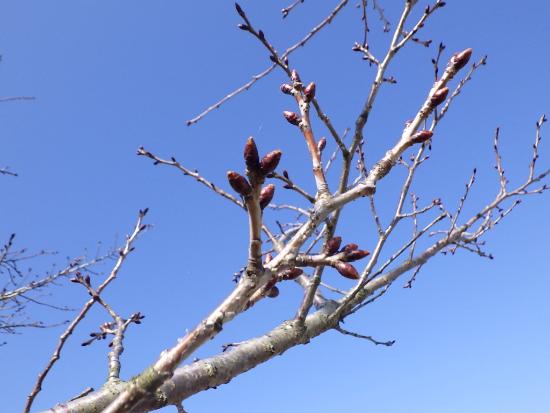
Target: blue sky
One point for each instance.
(472, 335)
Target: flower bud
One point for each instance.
(333, 245)
(292, 117)
(347, 270)
(251, 157)
(309, 92)
(350, 247)
(321, 144)
(239, 183)
(244, 27)
(240, 10)
(273, 292)
(460, 59)
(291, 274)
(266, 195)
(439, 96)
(268, 258)
(356, 255)
(421, 136)
(270, 162)
(286, 89)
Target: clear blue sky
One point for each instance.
(472, 335)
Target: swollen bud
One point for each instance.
(286, 89)
(347, 270)
(273, 292)
(350, 247)
(321, 144)
(439, 96)
(309, 92)
(239, 183)
(244, 27)
(357, 255)
(421, 136)
(266, 195)
(291, 274)
(270, 162)
(333, 245)
(251, 157)
(292, 117)
(460, 59)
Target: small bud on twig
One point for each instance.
(350, 247)
(309, 92)
(347, 270)
(268, 258)
(291, 274)
(357, 255)
(333, 245)
(239, 183)
(421, 136)
(321, 144)
(439, 96)
(251, 157)
(270, 162)
(286, 89)
(292, 117)
(266, 195)
(460, 59)
(273, 292)
(240, 10)
(244, 27)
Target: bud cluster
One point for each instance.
(348, 253)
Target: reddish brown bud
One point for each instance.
(295, 77)
(266, 195)
(347, 270)
(251, 157)
(333, 245)
(273, 292)
(350, 247)
(292, 117)
(357, 255)
(286, 89)
(270, 162)
(291, 274)
(321, 144)
(460, 59)
(268, 258)
(309, 92)
(239, 183)
(421, 136)
(439, 96)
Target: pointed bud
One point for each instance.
(270, 162)
(239, 183)
(347, 270)
(291, 274)
(243, 27)
(439, 96)
(266, 195)
(333, 245)
(273, 292)
(350, 247)
(261, 35)
(240, 10)
(460, 59)
(286, 89)
(295, 77)
(251, 157)
(309, 92)
(356, 255)
(421, 136)
(321, 144)
(292, 117)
